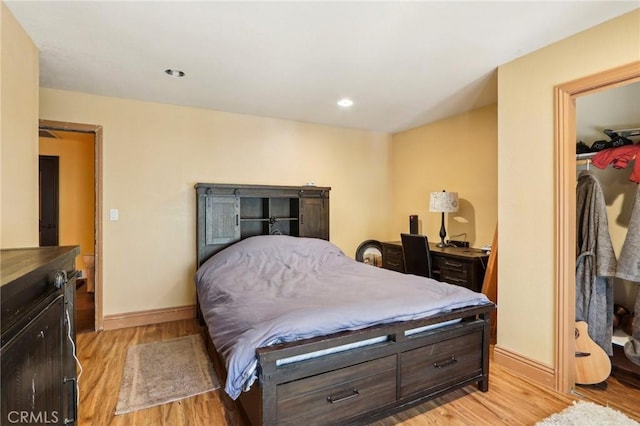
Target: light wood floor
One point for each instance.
(510, 400)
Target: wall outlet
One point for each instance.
(459, 243)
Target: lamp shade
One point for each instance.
(443, 202)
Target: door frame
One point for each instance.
(98, 208)
(565, 225)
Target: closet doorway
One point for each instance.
(565, 227)
(91, 250)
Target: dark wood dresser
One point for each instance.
(454, 265)
(37, 294)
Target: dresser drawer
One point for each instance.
(438, 366)
(330, 397)
(392, 257)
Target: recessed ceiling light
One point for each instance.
(174, 73)
(345, 103)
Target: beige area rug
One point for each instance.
(160, 372)
(587, 414)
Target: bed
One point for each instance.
(300, 333)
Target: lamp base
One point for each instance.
(443, 233)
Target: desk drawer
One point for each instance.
(454, 271)
(443, 364)
(392, 258)
(330, 397)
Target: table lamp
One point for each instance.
(443, 202)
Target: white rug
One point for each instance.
(586, 414)
(160, 372)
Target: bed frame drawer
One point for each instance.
(339, 394)
(434, 367)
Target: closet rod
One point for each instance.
(585, 156)
(625, 133)
(584, 162)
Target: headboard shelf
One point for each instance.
(227, 213)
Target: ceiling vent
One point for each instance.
(44, 133)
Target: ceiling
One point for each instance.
(404, 64)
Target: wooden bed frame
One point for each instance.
(351, 386)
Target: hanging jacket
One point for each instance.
(595, 262)
(629, 262)
(629, 269)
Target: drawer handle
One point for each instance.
(455, 264)
(60, 279)
(334, 399)
(393, 264)
(445, 363)
(74, 407)
(457, 280)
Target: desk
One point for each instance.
(454, 265)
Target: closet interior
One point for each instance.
(608, 139)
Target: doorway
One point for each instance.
(565, 130)
(81, 206)
(48, 173)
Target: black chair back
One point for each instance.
(417, 259)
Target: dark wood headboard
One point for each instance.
(227, 213)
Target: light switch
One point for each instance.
(113, 214)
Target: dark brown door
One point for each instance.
(48, 189)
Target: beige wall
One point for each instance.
(155, 153)
(457, 154)
(526, 173)
(76, 189)
(18, 134)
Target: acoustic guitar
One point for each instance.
(592, 362)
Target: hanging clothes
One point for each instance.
(629, 262)
(629, 269)
(619, 158)
(595, 262)
(632, 347)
